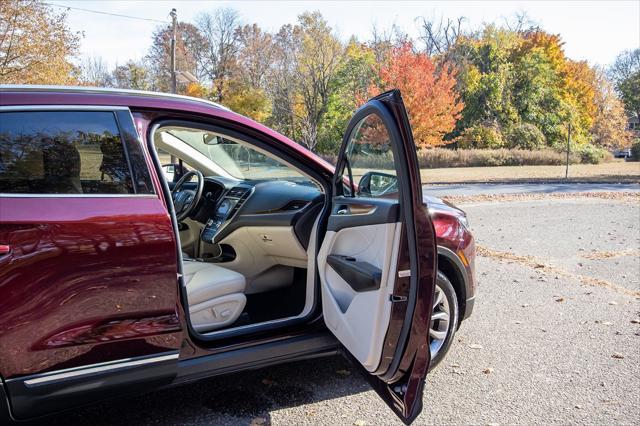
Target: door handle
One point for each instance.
(5, 249)
(342, 211)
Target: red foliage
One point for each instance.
(428, 93)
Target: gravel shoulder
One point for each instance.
(550, 340)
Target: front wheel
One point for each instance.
(444, 319)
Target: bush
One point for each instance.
(590, 154)
(441, 157)
(436, 158)
(526, 136)
(481, 136)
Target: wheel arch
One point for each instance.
(451, 266)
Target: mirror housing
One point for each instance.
(377, 184)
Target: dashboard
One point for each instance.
(228, 205)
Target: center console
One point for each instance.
(229, 204)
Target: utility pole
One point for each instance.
(174, 78)
(566, 172)
(174, 35)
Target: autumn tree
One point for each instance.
(246, 88)
(429, 95)
(625, 73)
(132, 75)
(609, 127)
(218, 54)
(189, 41)
(508, 78)
(280, 81)
(318, 60)
(36, 45)
(94, 71)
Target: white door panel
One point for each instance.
(360, 319)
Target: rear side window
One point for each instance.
(63, 152)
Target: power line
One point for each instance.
(106, 13)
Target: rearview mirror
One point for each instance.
(377, 184)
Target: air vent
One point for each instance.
(238, 192)
(241, 194)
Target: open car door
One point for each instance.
(377, 263)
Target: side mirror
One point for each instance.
(172, 172)
(377, 184)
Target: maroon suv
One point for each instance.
(149, 240)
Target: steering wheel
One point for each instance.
(186, 200)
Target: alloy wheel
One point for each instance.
(440, 319)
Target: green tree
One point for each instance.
(348, 91)
(512, 77)
(318, 60)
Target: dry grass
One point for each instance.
(617, 171)
(623, 196)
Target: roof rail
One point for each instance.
(104, 90)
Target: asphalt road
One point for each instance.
(551, 340)
(526, 188)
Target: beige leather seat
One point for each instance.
(216, 294)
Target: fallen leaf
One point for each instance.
(578, 406)
(559, 299)
(343, 372)
(518, 322)
(616, 355)
(359, 423)
(267, 382)
(524, 305)
(475, 346)
(635, 321)
(488, 370)
(613, 302)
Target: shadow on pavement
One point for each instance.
(233, 399)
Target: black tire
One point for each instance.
(443, 283)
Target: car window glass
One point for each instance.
(232, 158)
(369, 158)
(62, 152)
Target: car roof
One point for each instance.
(104, 91)
(136, 100)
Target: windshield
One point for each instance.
(233, 158)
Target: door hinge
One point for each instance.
(393, 298)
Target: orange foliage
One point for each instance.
(429, 94)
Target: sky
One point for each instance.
(595, 31)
